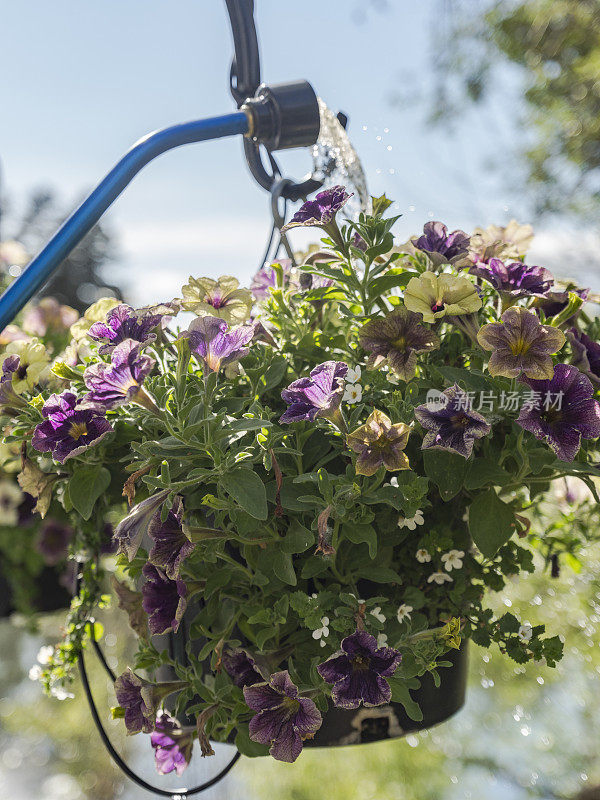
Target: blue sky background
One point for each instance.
(82, 81)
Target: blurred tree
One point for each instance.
(78, 282)
(555, 47)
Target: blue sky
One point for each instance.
(82, 81)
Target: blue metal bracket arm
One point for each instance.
(93, 207)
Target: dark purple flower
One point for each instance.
(241, 668)
(451, 423)
(122, 323)
(119, 382)
(441, 246)
(554, 302)
(8, 397)
(516, 279)
(217, 346)
(396, 340)
(140, 700)
(358, 671)
(163, 600)
(171, 545)
(561, 411)
(68, 429)
(52, 541)
(520, 344)
(317, 396)
(321, 211)
(586, 353)
(130, 531)
(284, 719)
(172, 747)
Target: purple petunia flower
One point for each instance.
(554, 302)
(217, 346)
(266, 278)
(586, 354)
(321, 211)
(130, 531)
(516, 279)
(283, 719)
(140, 700)
(451, 423)
(358, 671)
(68, 429)
(171, 545)
(172, 747)
(441, 246)
(520, 343)
(241, 668)
(561, 411)
(379, 443)
(52, 541)
(317, 396)
(119, 382)
(8, 397)
(163, 600)
(123, 322)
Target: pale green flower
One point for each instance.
(33, 363)
(221, 298)
(435, 296)
(95, 313)
(512, 241)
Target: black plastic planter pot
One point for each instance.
(341, 727)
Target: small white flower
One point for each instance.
(353, 375)
(11, 498)
(422, 556)
(376, 612)
(394, 482)
(323, 631)
(391, 377)
(439, 578)
(35, 673)
(525, 632)
(314, 595)
(45, 654)
(453, 559)
(353, 393)
(411, 522)
(60, 693)
(404, 612)
(382, 640)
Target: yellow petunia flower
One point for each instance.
(221, 298)
(435, 296)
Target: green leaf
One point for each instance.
(247, 747)
(284, 568)
(400, 694)
(297, 539)
(380, 574)
(86, 486)
(447, 470)
(247, 490)
(358, 533)
(481, 472)
(491, 522)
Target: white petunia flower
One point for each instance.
(423, 556)
(404, 612)
(382, 640)
(411, 522)
(353, 375)
(35, 673)
(439, 578)
(453, 559)
(352, 393)
(376, 612)
(45, 654)
(323, 632)
(525, 632)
